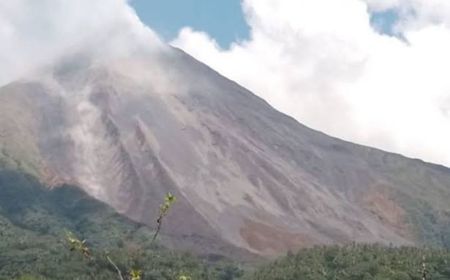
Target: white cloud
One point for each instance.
(323, 63)
(317, 60)
(33, 33)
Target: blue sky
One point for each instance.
(222, 20)
(385, 21)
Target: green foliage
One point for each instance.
(169, 200)
(359, 262)
(42, 236)
(78, 245)
(135, 274)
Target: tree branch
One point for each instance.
(115, 266)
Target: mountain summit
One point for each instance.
(128, 130)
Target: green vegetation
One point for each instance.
(39, 231)
(431, 226)
(360, 262)
(42, 236)
(169, 200)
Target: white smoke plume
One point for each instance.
(33, 33)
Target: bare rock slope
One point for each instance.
(129, 130)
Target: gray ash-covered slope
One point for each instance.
(129, 130)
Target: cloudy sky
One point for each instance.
(369, 71)
(372, 72)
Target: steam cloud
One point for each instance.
(34, 33)
(322, 62)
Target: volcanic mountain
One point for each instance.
(129, 129)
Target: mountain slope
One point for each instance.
(34, 221)
(129, 130)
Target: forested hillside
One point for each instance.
(360, 262)
(35, 222)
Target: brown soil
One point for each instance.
(380, 204)
(271, 240)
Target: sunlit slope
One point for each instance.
(129, 130)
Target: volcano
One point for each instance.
(129, 129)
